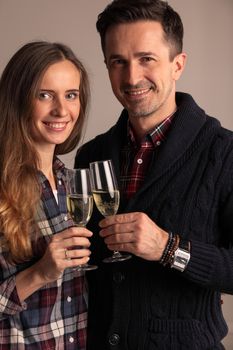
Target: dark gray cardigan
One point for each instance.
(139, 304)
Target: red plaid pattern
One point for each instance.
(135, 158)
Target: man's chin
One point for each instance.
(140, 113)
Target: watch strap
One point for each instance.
(181, 256)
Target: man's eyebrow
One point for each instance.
(144, 53)
(137, 54)
(115, 56)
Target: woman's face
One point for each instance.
(56, 106)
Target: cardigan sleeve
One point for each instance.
(212, 265)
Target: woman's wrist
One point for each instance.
(28, 281)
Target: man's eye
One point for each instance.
(147, 59)
(117, 62)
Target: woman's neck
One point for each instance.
(46, 166)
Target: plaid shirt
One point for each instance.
(55, 316)
(135, 159)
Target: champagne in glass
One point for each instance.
(80, 208)
(107, 202)
(106, 196)
(79, 201)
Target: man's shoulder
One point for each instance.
(220, 130)
(101, 146)
(114, 133)
(226, 137)
(218, 139)
(90, 150)
(98, 139)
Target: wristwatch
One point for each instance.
(181, 256)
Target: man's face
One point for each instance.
(141, 72)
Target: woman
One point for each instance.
(44, 93)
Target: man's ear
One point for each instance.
(178, 65)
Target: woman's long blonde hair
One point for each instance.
(19, 187)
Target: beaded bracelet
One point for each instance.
(175, 246)
(168, 253)
(167, 249)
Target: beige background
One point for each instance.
(208, 41)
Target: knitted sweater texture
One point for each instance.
(139, 304)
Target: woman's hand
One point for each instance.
(68, 248)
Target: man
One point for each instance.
(175, 169)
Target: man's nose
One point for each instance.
(133, 74)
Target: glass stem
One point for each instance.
(116, 253)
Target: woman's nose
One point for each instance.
(59, 108)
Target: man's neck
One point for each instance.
(143, 125)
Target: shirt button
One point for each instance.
(69, 299)
(114, 339)
(65, 217)
(139, 161)
(24, 305)
(118, 277)
(158, 143)
(71, 339)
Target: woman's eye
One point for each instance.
(72, 95)
(44, 96)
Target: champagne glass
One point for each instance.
(106, 196)
(79, 201)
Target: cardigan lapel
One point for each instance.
(116, 137)
(187, 124)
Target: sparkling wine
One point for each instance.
(80, 208)
(107, 202)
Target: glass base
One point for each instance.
(116, 257)
(86, 267)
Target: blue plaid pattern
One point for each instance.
(55, 316)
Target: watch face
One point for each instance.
(181, 259)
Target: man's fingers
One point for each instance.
(119, 219)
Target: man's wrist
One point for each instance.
(176, 253)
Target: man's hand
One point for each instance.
(135, 233)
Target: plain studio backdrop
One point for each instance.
(208, 74)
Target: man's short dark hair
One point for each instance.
(129, 11)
